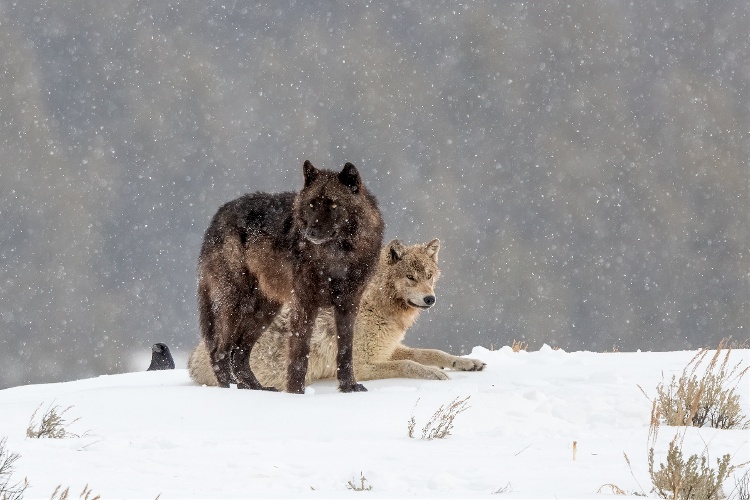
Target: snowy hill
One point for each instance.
(155, 433)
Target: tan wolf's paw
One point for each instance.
(433, 373)
(468, 365)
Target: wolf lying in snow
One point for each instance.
(401, 286)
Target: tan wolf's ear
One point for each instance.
(394, 251)
(349, 177)
(310, 173)
(433, 248)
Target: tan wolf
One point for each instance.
(400, 288)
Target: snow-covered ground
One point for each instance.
(155, 433)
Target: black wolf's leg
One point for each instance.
(220, 363)
(299, 347)
(234, 313)
(244, 376)
(218, 351)
(345, 365)
(257, 313)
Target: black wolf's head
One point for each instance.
(328, 205)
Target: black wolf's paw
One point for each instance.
(352, 388)
(256, 387)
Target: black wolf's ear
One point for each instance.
(310, 173)
(433, 248)
(349, 177)
(395, 251)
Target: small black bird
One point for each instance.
(161, 358)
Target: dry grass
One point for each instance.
(52, 424)
(683, 478)
(687, 479)
(702, 397)
(710, 399)
(613, 489)
(741, 489)
(519, 345)
(64, 494)
(363, 486)
(690, 478)
(737, 344)
(505, 489)
(516, 345)
(439, 426)
(9, 491)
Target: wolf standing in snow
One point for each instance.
(402, 286)
(311, 249)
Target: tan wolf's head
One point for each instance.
(412, 271)
(328, 203)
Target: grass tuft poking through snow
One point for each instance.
(707, 398)
(439, 426)
(362, 486)
(52, 425)
(64, 494)
(9, 491)
(695, 399)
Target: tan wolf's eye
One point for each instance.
(429, 276)
(410, 277)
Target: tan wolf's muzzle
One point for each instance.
(424, 303)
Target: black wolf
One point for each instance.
(311, 249)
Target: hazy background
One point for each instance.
(585, 164)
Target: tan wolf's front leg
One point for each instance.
(436, 357)
(403, 368)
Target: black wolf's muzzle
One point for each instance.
(315, 236)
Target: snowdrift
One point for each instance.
(155, 433)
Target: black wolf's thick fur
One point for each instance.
(313, 249)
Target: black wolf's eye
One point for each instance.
(312, 205)
(333, 206)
